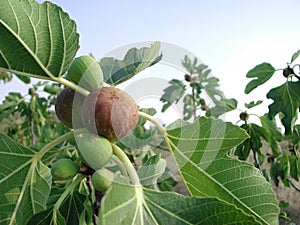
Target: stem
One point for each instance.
(146, 116)
(161, 129)
(120, 165)
(73, 86)
(127, 164)
(194, 103)
(31, 128)
(52, 144)
(69, 189)
(256, 161)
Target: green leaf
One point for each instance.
(253, 104)
(201, 153)
(24, 182)
(253, 143)
(172, 94)
(68, 214)
(116, 71)
(294, 170)
(11, 104)
(127, 204)
(286, 101)
(295, 56)
(211, 87)
(5, 76)
(151, 170)
(24, 79)
(37, 40)
(263, 72)
(221, 107)
(188, 107)
(280, 169)
(273, 136)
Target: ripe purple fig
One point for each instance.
(109, 112)
(68, 108)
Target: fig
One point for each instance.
(95, 151)
(202, 101)
(102, 179)
(288, 71)
(68, 107)
(188, 78)
(64, 169)
(86, 72)
(244, 116)
(109, 112)
(204, 107)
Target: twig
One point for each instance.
(257, 165)
(99, 195)
(95, 205)
(293, 185)
(32, 131)
(194, 103)
(94, 210)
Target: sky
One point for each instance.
(230, 36)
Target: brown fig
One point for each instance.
(68, 107)
(109, 112)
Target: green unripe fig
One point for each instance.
(102, 179)
(64, 169)
(109, 112)
(68, 107)
(94, 150)
(86, 72)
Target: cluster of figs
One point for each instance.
(107, 114)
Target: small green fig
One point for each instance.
(86, 72)
(94, 150)
(102, 179)
(68, 107)
(64, 169)
(109, 112)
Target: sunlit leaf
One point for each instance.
(262, 72)
(24, 183)
(201, 153)
(116, 71)
(128, 204)
(286, 101)
(37, 40)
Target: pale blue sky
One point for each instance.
(230, 36)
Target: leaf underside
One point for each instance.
(201, 153)
(127, 204)
(38, 40)
(24, 183)
(116, 71)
